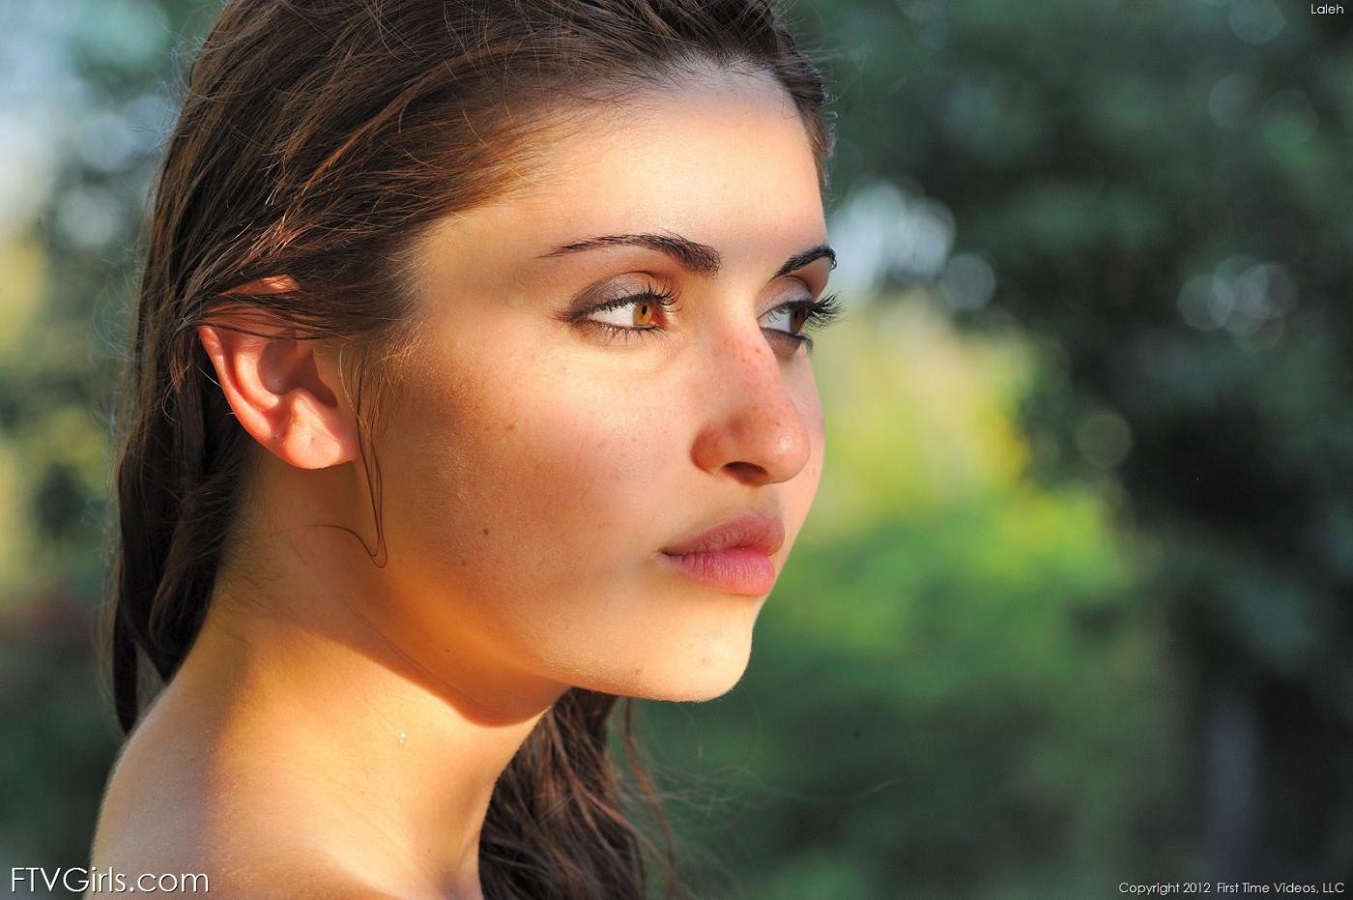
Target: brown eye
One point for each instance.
(788, 319)
(645, 311)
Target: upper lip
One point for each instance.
(762, 533)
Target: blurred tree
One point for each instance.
(1162, 192)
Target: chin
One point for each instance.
(711, 673)
(701, 692)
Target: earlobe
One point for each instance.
(285, 391)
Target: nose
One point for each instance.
(752, 428)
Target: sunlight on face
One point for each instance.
(609, 435)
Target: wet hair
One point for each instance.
(318, 141)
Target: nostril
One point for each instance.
(746, 472)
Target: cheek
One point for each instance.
(589, 459)
(516, 479)
(798, 493)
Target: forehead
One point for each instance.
(722, 158)
(715, 144)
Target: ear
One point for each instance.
(285, 391)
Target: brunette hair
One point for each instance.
(318, 141)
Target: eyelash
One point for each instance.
(665, 299)
(819, 314)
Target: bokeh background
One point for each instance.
(1075, 605)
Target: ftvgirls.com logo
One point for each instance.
(80, 880)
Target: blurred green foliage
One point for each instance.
(954, 692)
(1075, 604)
(1157, 194)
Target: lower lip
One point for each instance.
(734, 571)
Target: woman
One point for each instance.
(469, 392)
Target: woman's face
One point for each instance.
(608, 435)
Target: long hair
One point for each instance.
(318, 140)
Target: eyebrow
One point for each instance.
(700, 258)
(695, 257)
(799, 260)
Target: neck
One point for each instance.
(387, 769)
(376, 739)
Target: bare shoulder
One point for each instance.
(222, 857)
(175, 811)
(298, 881)
(247, 860)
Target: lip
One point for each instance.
(733, 556)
